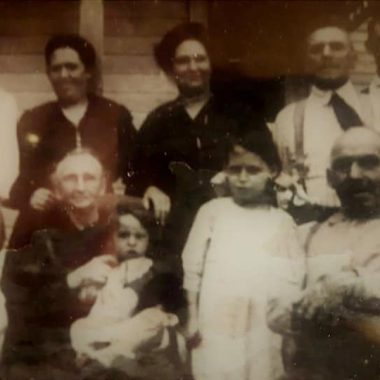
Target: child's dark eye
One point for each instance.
(234, 169)
(123, 235)
(252, 169)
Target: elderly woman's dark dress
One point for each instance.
(45, 136)
(40, 305)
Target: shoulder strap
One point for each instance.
(310, 235)
(299, 151)
(299, 117)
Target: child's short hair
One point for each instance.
(258, 142)
(144, 216)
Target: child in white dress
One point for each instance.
(241, 262)
(130, 327)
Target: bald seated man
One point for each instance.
(338, 319)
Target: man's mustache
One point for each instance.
(80, 193)
(357, 186)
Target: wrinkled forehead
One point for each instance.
(358, 143)
(328, 34)
(79, 164)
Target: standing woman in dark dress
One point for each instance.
(184, 142)
(78, 118)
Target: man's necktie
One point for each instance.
(346, 115)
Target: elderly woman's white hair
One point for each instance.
(75, 152)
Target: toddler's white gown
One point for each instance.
(239, 260)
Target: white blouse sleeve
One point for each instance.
(194, 253)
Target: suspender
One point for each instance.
(310, 235)
(299, 153)
(298, 119)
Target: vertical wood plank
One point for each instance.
(199, 11)
(91, 27)
(91, 23)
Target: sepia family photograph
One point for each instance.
(189, 190)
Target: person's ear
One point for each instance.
(55, 188)
(372, 33)
(90, 74)
(172, 77)
(274, 172)
(170, 73)
(47, 67)
(57, 193)
(332, 179)
(369, 45)
(219, 183)
(352, 56)
(103, 185)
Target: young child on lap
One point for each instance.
(129, 326)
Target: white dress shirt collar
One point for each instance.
(347, 92)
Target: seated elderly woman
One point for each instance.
(41, 302)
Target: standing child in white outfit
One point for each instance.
(242, 261)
